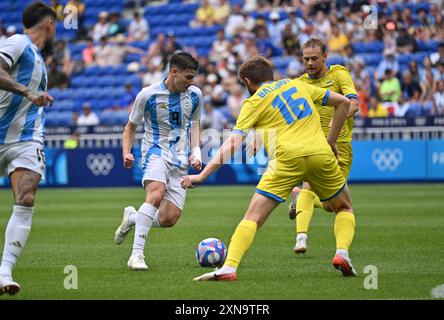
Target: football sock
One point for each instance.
(16, 234)
(241, 240)
(344, 229)
(156, 222)
(132, 219)
(226, 270)
(304, 210)
(144, 220)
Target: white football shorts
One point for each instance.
(28, 155)
(157, 169)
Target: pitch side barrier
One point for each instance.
(374, 161)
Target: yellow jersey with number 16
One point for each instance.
(284, 114)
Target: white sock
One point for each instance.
(226, 270)
(132, 219)
(342, 252)
(16, 234)
(156, 222)
(144, 220)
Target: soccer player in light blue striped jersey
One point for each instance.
(171, 112)
(23, 82)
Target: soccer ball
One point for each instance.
(211, 252)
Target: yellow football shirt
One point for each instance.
(284, 114)
(336, 79)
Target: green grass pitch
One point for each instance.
(400, 231)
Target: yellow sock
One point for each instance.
(240, 242)
(317, 202)
(344, 229)
(304, 210)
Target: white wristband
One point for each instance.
(196, 153)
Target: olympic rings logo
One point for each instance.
(100, 164)
(387, 159)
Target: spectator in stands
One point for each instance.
(405, 42)
(438, 27)
(73, 141)
(219, 46)
(88, 53)
(275, 29)
(296, 23)
(363, 97)
(128, 97)
(101, 27)
(427, 67)
(440, 70)
(102, 52)
(62, 57)
(204, 15)
(414, 70)
(423, 26)
(154, 74)
(222, 11)
(138, 29)
(56, 77)
(171, 41)
(88, 117)
(80, 9)
(427, 90)
(290, 41)
(117, 52)
(377, 109)
(58, 8)
(296, 66)
(411, 92)
(322, 26)
(212, 118)
(437, 56)
(264, 44)
(234, 102)
(388, 62)
(235, 22)
(390, 91)
(115, 26)
(337, 41)
(438, 99)
(407, 19)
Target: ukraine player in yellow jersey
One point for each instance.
(335, 78)
(285, 111)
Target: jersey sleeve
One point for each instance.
(12, 49)
(317, 94)
(247, 118)
(138, 109)
(346, 83)
(197, 101)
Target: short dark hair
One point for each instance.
(258, 69)
(36, 12)
(184, 61)
(315, 43)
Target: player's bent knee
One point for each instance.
(154, 199)
(26, 200)
(168, 221)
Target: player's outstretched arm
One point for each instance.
(128, 137)
(225, 152)
(7, 83)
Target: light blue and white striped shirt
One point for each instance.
(168, 118)
(20, 119)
